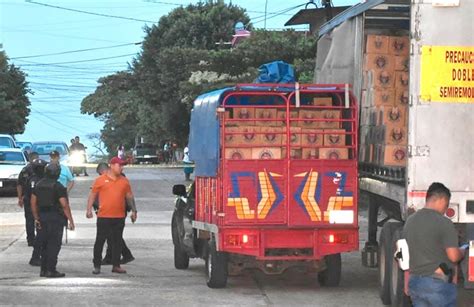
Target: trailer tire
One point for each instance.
(385, 254)
(216, 267)
(181, 258)
(331, 276)
(397, 280)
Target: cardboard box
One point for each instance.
(322, 101)
(393, 115)
(399, 45)
(266, 153)
(231, 137)
(401, 97)
(377, 44)
(249, 135)
(380, 97)
(296, 153)
(310, 154)
(402, 62)
(334, 137)
(378, 61)
(238, 153)
(281, 115)
(307, 118)
(383, 79)
(401, 80)
(333, 153)
(295, 136)
(331, 116)
(395, 135)
(266, 114)
(247, 114)
(393, 155)
(271, 136)
(311, 137)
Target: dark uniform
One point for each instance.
(38, 174)
(23, 177)
(48, 192)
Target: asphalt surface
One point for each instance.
(151, 278)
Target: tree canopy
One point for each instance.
(14, 102)
(182, 57)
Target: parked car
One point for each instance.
(44, 148)
(7, 141)
(145, 152)
(12, 161)
(24, 146)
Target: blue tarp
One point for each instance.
(276, 72)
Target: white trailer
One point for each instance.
(440, 120)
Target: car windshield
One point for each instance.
(12, 158)
(45, 149)
(6, 142)
(144, 146)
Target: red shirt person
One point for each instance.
(113, 191)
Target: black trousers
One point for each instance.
(49, 239)
(110, 229)
(29, 222)
(126, 253)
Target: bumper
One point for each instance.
(286, 244)
(8, 184)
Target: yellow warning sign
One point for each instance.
(447, 74)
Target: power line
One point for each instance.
(73, 51)
(89, 13)
(81, 61)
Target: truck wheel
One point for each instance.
(181, 258)
(385, 254)
(397, 282)
(216, 267)
(331, 276)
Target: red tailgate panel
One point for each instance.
(319, 186)
(254, 192)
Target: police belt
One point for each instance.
(49, 209)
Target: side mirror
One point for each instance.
(179, 190)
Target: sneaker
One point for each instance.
(54, 274)
(127, 260)
(119, 270)
(35, 262)
(96, 270)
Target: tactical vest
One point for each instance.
(46, 195)
(30, 185)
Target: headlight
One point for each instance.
(13, 176)
(76, 158)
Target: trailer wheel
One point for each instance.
(397, 282)
(181, 258)
(385, 254)
(216, 267)
(331, 276)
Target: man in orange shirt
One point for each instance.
(113, 190)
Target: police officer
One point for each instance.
(38, 174)
(24, 202)
(50, 208)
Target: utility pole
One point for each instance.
(265, 21)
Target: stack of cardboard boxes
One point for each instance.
(261, 133)
(384, 113)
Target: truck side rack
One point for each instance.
(386, 173)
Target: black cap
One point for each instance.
(52, 170)
(54, 153)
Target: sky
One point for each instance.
(34, 32)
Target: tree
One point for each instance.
(14, 102)
(115, 102)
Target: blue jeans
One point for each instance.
(429, 291)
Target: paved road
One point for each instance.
(151, 278)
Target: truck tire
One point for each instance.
(397, 282)
(331, 276)
(385, 254)
(216, 267)
(181, 258)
